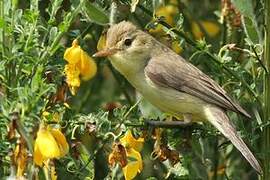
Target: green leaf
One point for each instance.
(244, 6)
(95, 14)
(249, 21)
(2, 23)
(53, 33)
(35, 84)
(251, 30)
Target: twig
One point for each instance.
(85, 31)
(168, 124)
(113, 12)
(127, 113)
(132, 108)
(266, 95)
(216, 158)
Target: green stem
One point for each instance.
(259, 59)
(266, 95)
(113, 12)
(216, 159)
(3, 29)
(168, 124)
(131, 109)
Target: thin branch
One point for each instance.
(113, 12)
(168, 124)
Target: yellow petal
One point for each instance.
(67, 105)
(212, 29)
(88, 67)
(56, 117)
(134, 166)
(176, 47)
(53, 173)
(101, 42)
(174, 2)
(38, 158)
(172, 10)
(46, 144)
(72, 74)
(130, 142)
(20, 159)
(196, 31)
(61, 141)
(73, 80)
(73, 54)
(45, 113)
(167, 12)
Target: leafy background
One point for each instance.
(34, 36)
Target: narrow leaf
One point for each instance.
(95, 14)
(244, 6)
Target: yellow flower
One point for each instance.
(134, 158)
(73, 54)
(49, 144)
(79, 64)
(134, 164)
(126, 153)
(212, 29)
(128, 141)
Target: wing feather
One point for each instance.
(175, 72)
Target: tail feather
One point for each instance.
(220, 120)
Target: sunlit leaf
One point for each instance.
(95, 14)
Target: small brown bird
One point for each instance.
(171, 83)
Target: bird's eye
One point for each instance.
(128, 42)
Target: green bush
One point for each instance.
(79, 135)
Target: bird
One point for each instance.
(171, 83)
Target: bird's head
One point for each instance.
(127, 47)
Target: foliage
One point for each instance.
(225, 39)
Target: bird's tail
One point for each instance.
(220, 120)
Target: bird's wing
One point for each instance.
(173, 71)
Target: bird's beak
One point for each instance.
(105, 52)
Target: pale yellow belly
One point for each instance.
(169, 100)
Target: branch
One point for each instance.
(168, 124)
